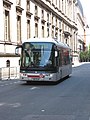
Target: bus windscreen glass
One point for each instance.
(36, 54)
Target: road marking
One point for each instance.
(1, 85)
(11, 83)
(15, 82)
(6, 84)
(15, 105)
(33, 88)
(1, 104)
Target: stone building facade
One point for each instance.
(81, 42)
(23, 19)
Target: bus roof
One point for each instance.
(50, 40)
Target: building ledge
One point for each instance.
(36, 17)
(28, 14)
(8, 55)
(19, 9)
(66, 33)
(7, 4)
(43, 21)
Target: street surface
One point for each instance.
(67, 100)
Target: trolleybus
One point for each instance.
(44, 59)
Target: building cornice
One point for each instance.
(81, 19)
(53, 11)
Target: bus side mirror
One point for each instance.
(56, 53)
(17, 50)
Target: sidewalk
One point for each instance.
(79, 63)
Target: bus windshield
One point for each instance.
(37, 54)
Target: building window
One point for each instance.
(42, 31)
(36, 30)
(18, 2)
(18, 29)
(66, 41)
(7, 26)
(65, 6)
(62, 5)
(48, 25)
(42, 14)
(56, 2)
(28, 29)
(8, 63)
(47, 17)
(59, 4)
(80, 47)
(60, 36)
(36, 11)
(66, 27)
(47, 32)
(52, 20)
(52, 33)
(28, 5)
(56, 21)
(56, 34)
(59, 24)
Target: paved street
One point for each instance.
(68, 100)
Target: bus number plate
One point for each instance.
(35, 79)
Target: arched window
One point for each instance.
(8, 63)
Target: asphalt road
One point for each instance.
(67, 100)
